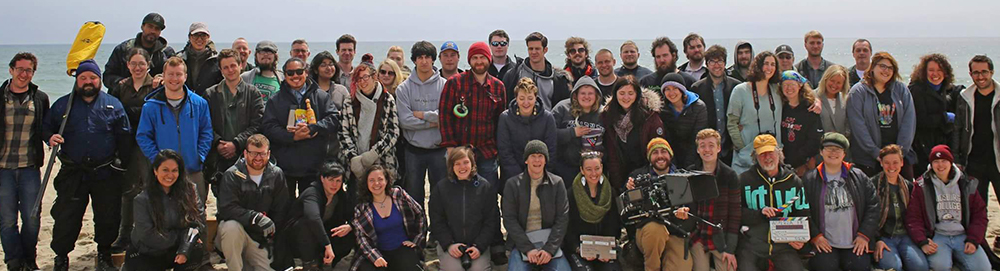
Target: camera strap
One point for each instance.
(756, 106)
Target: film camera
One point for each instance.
(657, 197)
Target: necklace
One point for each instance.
(382, 204)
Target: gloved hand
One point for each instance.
(357, 167)
(949, 117)
(369, 158)
(264, 223)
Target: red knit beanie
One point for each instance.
(941, 152)
(480, 48)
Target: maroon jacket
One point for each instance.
(921, 214)
(653, 127)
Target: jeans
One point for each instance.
(952, 248)
(902, 253)
(487, 168)
(421, 163)
(401, 259)
(517, 263)
(18, 191)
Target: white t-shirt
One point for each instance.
(256, 178)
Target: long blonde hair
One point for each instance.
(830, 73)
(399, 75)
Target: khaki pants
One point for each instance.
(702, 257)
(660, 250)
(239, 249)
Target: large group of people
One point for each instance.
(311, 161)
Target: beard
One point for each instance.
(771, 167)
(667, 69)
(87, 90)
(656, 164)
(479, 69)
(149, 38)
(267, 66)
(256, 165)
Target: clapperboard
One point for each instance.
(601, 247)
(789, 229)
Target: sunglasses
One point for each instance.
(295, 72)
(498, 43)
(576, 51)
(385, 72)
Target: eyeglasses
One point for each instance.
(385, 72)
(498, 43)
(138, 64)
(364, 77)
(199, 36)
(784, 56)
(326, 65)
(883, 66)
(981, 73)
(255, 154)
(300, 51)
(295, 72)
(576, 51)
(24, 70)
(717, 62)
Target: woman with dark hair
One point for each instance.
(169, 218)
(880, 112)
(132, 93)
(934, 101)
(592, 211)
(754, 109)
(801, 130)
(325, 71)
(685, 115)
(632, 120)
(317, 228)
(464, 213)
(370, 127)
(391, 228)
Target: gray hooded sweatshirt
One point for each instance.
(415, 95)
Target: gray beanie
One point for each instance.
(536, 146)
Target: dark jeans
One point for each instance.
(986, 174)
(487, 168)
(138, 261)
(308, 248)
(132, 184)
(841, 259)
(577, 263)
(420, 163)
(401, 259)
(302, 181)
(746, 260)
(73, 187)
(18, 191)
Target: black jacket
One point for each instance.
(932, 126)
(760, 192)
(862, 192)
(655, 80)
(117, 67)
(146, 239)
(299, 158)
(680, 130)
(250, 106)
(40, 101)
(209, 73)
(801, 133)
(561, 81)
(853, 74)
(727, 210)
(310, 207)
(499, 74)
(240, 199)
(609, 226)
(464, 212)
(706, 92)
(554, 208)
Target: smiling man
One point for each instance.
(201, 59)
(862, 52)
(578, 59)
(236, 109)
(116, 69)
(630, 61)
(499, 42)
(694, 49)
(553, 84)
(243, 47)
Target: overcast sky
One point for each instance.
(57, 21)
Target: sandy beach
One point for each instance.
(83, 257)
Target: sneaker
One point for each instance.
(14, 264)
(61, 263)
(104, 262)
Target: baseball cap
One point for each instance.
(155, 19)
(267, 45)
(198, 27)
(784, 48)
(449, 45)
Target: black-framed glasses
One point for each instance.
(576, 51)
(980, 73)
(255, 154)
(883, 66)
(385, 72)
(24, 70)
(498, 43)
(295, 72)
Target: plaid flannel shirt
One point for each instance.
(485, 102)
(414, 222)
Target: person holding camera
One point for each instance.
(535, 214)
(317, 228)
(709, 243)
(464, 214)
(252, 202)
(768, 186)
(661, 249)
(168, 219)
(847, 213)
(592, 211)
(391, 225)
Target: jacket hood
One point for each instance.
(741, 44)
(587, 81)
(512, 110)
(414, 78)
(691, 98)
(526, 66)
(159, 96)
(652, 100)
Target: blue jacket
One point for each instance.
(95, 131)
(866, 137)
(157, 126)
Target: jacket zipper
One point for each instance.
(464, 230)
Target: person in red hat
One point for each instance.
(951, 227)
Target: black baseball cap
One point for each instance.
(784, 48)
(155, 19)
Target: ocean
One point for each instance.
(51, 75)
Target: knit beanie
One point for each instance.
(89, 65)
(536, 146)
(656, 143)
(941, 152)
(480, 48)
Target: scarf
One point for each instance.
(367, 118)
(623, 126)
(590, 212)
(884, 195)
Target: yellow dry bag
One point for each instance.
(88, 40)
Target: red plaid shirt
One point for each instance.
(485, 103)
(704, 232)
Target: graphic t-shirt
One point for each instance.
(886, 118)
(267, 86)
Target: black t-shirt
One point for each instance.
(982, 133)
(886, 118)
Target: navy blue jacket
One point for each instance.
(95, 131)
(299, 158)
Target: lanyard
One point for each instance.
(756, 106)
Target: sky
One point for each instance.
(57, 21)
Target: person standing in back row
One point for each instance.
(976, 126)
(116, 69)
(880, 112)
(553, 84)
(417, 102)
(813, 66)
